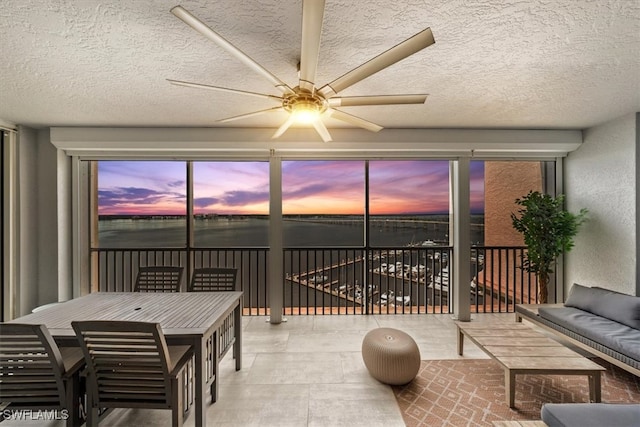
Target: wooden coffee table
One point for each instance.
(521, 350)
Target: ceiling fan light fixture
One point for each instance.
(306, 112)
(304, 107)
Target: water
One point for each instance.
(253, 232)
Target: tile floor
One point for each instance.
(308, 371)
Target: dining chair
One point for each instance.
(36, 374)
(213, 279)
(130, 365)
(216, 279)
(158, 279)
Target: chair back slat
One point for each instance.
(213, 279)
(128, 363)
(31, 368)
(158, 279)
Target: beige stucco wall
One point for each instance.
(28, 290)
(47, 220)
(38, 235)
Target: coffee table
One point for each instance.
(522, 350)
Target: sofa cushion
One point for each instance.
(616, 336)
(583, 297)
(613, 305)
(590, 414)
(621, 308)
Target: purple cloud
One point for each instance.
(135, 195)
(241, 197)
(128, 194)
(177, 184)
(308, 190)
(203, 202)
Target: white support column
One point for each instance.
(461, 239)
(557, 289)
(65, 226)
(190, 262)
(11, 226)
(81, 220)
(275, 239)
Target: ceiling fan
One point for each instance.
(306, 103)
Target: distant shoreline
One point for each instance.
(260, 216)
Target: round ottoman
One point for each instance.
(391, 356)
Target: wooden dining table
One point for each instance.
(209, 321)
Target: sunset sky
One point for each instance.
(309, 187)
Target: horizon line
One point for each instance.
(297, 214)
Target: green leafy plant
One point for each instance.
(548, 231)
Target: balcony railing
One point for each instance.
(395, 280)
(115, 269)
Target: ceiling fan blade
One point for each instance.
(351, 119)
(400, 51)
(282, 129)
(312, 14)
(206, 31)
(349, 101)
(247, 115)
(223, 89)
(322, 130)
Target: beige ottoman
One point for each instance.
(391, 356)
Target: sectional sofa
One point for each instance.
(603, 322)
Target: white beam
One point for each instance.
(239, 143)
(461, 239)
(11, 226)
(65, 226)
(276, 273)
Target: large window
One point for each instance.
(231, 204)
(501, 274)
(141, 204)
(144, 204)
(323, 203)
(408, 202)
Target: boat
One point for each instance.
(318, 278)
(416, 272)
(390, 298)
(441, 282)
(423, 243)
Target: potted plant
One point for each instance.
(548, 231)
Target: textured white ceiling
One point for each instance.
(495, 64)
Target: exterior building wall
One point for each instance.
(505, 181)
